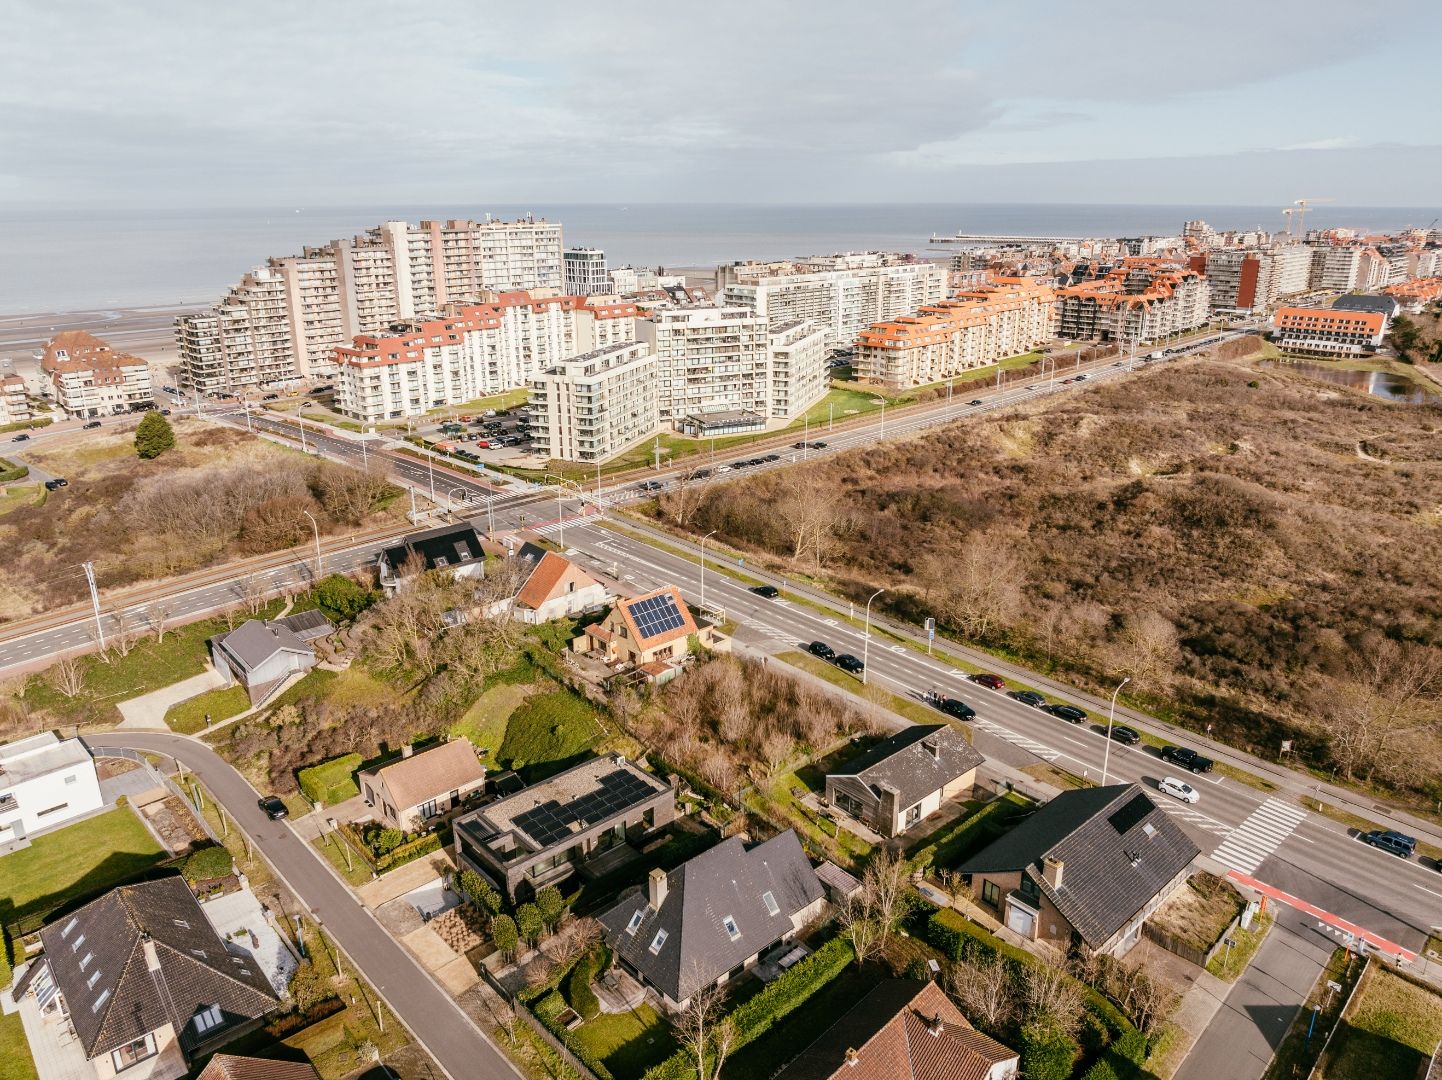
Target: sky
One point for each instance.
(348, 102)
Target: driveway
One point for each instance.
(148, 710)
(1247, 1029)
(452, 1037)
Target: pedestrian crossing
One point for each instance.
(1260, 835)
(1046, 753)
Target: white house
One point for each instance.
(45, 782)
(453, 548)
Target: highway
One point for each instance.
(432, 1015)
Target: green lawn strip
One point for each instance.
(354, 873)
(1434, 944)
(1361, 824)
(1393, 1027)
(500, 402)
(1056, 776)
(914, 711)
(547, 732)
(15, 1060)
(484, 723)
(1241, 776)
(188, 717)
(80, 860)
(1228, 964)
(762, 1058)
(316, 684)
(627, 1043)
(1297, 1054)
(332, 421)
(332, 781)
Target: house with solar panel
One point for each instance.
(143, 983)
(1085, 871)
(587, 820)
(650, 633)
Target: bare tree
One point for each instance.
(978, 583)
(67, 675)
(122, 637)
(1148, 1000)
(870, 915)
(157, 617)
(1148, 650)
(814, 518)
(1388, 700)
(250, 590)
(1050, 996)
(860, 924)
(986, 990)
(705, 1032)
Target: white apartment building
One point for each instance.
(978, 327)
(284, 321)
(842, 294)
(593, 407)
(798, 368)
(14, 403)
(586, 272)
(708, 360)
(88, 378)
(1334, 269)
(476, 351)
(1291, 270)
(44, 782)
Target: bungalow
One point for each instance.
(262, 655)
(651, 632)
(45, 782)
(553, 587)
(903, 1029)
(418, 788)
(544, 832)
(1086, 870)
(456, 548)
(145, 982)
(712, 917)
(905, 778)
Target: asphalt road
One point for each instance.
(452, 1038)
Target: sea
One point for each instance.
(67, 260)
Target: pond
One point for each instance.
(1382, 384)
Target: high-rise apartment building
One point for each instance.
(1237, 280)
(708, 360)
(841, 294)
(285, 320)
(978, 327)
(799, 370)
(88, 378)
(14, 403)
(591, 408)
(1291, 270)
(475, 351)
(586, 273)
(1335, 268)
(1142, 299)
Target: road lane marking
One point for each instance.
(1259, 835)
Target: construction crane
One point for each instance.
(1303, 206)
(1289, 211)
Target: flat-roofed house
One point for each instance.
(712, 917)
(544, 832)
(419, 787)
(905, 778)
(45, 782)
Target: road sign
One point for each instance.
(930, 634)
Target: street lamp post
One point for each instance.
(1111, 718)
(319, 564)
(431, 469)
(703, 568)
(866, 637)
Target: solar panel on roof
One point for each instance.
(656, 615)
(1138, 807)
(551, 821)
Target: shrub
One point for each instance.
(755, 1017)
(1125, 1059)
(10, 471)
(342, 597)
(966, 836)
(479, 891)
(382, 839)
(551, 905)
(308, 987)
(578, 984)
(409, 852)
(505, 934)
(529, 922)
(207, 863)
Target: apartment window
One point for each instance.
(991, 893)
(134, 1053)
(72, 779)
(772, 907)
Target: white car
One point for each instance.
(1170, 785)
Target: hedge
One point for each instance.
(754, 1018)
(10, 471)
(330, 782)
(5, 969)
(409, 852)
(962, 838)
(207, 863)
(578, 984)
(27, 425)
(1124, 1059)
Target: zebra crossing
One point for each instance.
(1046, 753)
(1260, 835)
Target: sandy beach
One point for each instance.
(145, 332)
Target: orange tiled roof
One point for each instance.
(547, 576)
(85, 352)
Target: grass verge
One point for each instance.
(1392, 1028)
(15, 1060)
(356, 872)
(914, 711)
(1228, 964)
(197, 713)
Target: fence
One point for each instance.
(1319, 1069)
(1174, 944)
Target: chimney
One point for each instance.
(934, 1026)
(152, 959)
(656, 888)
(852, 1058)
(1051, 869)
(407, 750)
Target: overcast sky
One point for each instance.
(348, 102)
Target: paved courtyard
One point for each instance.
(238, 917)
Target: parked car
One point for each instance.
(92, 424)
(957, 708)
(1187, 758)
(1178, 789)
(58, 482)
(22, 437)
(270, 397)
(821, 649)
(1028, 697)
(273, 807)
(818, 446)
(1123, 734)
(772, 457)
(1399, 844)
(1070, 713)
(767, 592)
(847, 662)
(986, 679)
(974, 401)
(650, 485)
(164, 412)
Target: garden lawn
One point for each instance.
(15, 1060)
(627, 1043)
(762, 1058)
(15, 496)
(1394, 1026)
(188, 717)
(1229, 963)
(80, 860)
(485, 722)
(547, 732)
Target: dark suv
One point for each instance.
(1028, 697)
(847, 662)
(1399, 844)
(1070, 713)
(821, 649)
(1123, 734)
(1187, 759)
(957, 708)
